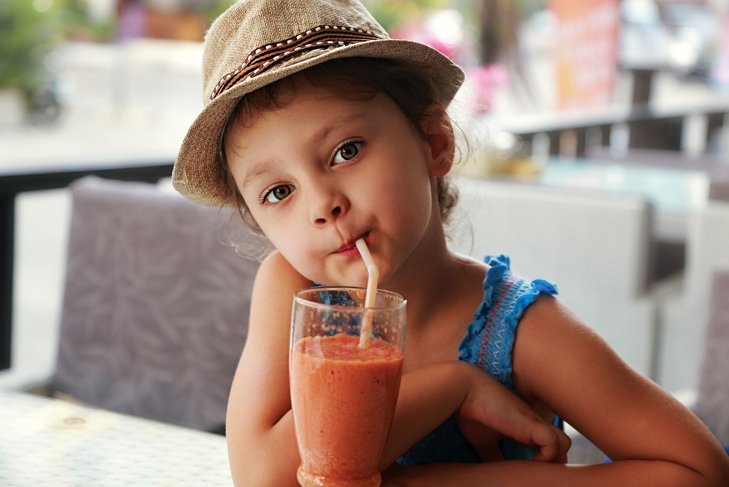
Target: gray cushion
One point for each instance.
(155, 309)
(712, 402)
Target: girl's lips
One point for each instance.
(349, 247)
(346, 248)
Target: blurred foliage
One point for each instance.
(391, 13)
(73, 21)
(26, 37)
(31, 29)
(218, 8)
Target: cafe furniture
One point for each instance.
(155, 304)
(59, 443)
(639, 126)
(686, 307)
(35, 176)
(712, 393)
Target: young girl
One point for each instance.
(322, 131)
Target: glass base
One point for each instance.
(309, 480)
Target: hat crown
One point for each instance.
(250, 25)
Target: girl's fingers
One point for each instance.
(553, 444)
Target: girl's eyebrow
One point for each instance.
(258, 170)
(324, 131)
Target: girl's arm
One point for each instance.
(431, 394)
(260, 431)
(259, 423)
(651, 438)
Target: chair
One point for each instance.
(712, 401)
(719, 189)
(155, 307)
(595, 246)
(684, 316)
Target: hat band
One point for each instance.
(262, 58)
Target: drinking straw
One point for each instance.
(370, 294)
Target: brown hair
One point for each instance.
(359, 78)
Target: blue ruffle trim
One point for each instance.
(497, 267)
(470, 348)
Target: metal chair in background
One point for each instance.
(155, 307)
(712, 400)
(684, 314)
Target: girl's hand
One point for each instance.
(490, 411)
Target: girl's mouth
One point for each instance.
(349, 248)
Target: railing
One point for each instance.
(688, 129)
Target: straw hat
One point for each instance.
(256, 42)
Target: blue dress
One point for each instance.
(488, 344)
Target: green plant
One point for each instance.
(392, 14)
(72, 21)
(217, 8)
(26, 37)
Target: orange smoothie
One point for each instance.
(343, 400)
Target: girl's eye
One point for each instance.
(347, 152)
(277, 193)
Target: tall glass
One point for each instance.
(343, 386)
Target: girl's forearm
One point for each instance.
(428, 396)
(639, 473)
(272, 460)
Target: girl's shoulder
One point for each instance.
(277, 278)
(275, 265)
(275, 261)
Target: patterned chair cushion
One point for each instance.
(712, 402)
(155, 308)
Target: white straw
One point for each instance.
(373, 276)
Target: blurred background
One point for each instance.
(99, 80)
(135, 63)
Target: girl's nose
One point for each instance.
(328, 208)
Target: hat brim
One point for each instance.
(198, 174)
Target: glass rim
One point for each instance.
(298, 298)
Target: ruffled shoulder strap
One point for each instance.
(489, 340)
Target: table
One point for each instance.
(46, 441)
(33, 176)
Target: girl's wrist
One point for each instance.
(468, 376)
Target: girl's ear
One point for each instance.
(435, 125)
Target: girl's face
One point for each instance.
(322, 171)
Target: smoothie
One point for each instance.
(343, 398)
